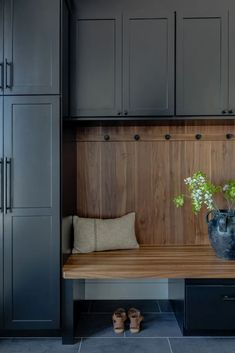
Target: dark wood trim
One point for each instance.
(147, 119)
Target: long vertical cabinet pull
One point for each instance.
(9, 74)
(2, 185)
(8, 185)
(1, 76)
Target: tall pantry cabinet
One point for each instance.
(29, 165)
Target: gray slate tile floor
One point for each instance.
(160, 334)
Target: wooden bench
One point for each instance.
(146, 262)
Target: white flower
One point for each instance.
(225, 188)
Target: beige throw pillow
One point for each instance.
(92, 234)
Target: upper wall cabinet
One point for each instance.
(231, 103)
(31, 46)
(96, 67)
(123, 65)
(1, 49)
(1, 212)
(202, 63)
(148, 64)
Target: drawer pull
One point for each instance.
(226, 298)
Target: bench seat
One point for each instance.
(149, 262)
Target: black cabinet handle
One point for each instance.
(2, 76)
(9, 74)
(8, 185)
(125, 112)
(226, 298)
(119, 113)
(224, 111)
(2, 185)
(230, 111)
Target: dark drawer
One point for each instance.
(210, 307)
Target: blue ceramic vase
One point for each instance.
(221, 230)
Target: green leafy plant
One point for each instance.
(201, 192)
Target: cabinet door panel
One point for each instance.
(96, 67)
(31, 227)
(208, 309)
(32, 154)
(32, 34)
(1, 49)
(1, 212)
(149, 64)
(29, 292)
(202, 70)
(231, 61)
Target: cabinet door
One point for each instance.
(31, 46)
(231, 107)
(1, 49)
(1, 212)
(32, 231)
(210, 307)
(148, 64)
(202, 63)
(96, 66)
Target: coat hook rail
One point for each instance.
(108, 137)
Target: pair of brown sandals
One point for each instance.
(120, 316)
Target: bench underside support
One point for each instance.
(68, 320)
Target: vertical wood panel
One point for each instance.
(89, 195)
(124, 175)
(143, 190)
(160, 191)
(176, 220)
(117, 174)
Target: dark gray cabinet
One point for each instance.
(204, 306)
(202, 63)
(1, 211)
(31, 213)
(123, 64)
(1, 49)
(96, 66)
(148, 63)
(231, 103)
(31, 46)
(210, 306)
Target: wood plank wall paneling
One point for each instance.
(122, 175)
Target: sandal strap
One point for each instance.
(119, 317)
(135, 318)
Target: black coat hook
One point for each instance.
(106, 137)
(167, 136)
(137, 137)
(229, 136)
(198, 136)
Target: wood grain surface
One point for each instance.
(150, 262)
(122, 175)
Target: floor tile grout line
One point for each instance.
(127, 337)
(144, 312)
(89, 307)
(80, 346)
(159, 306)
(160, 337)
(169, 342)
